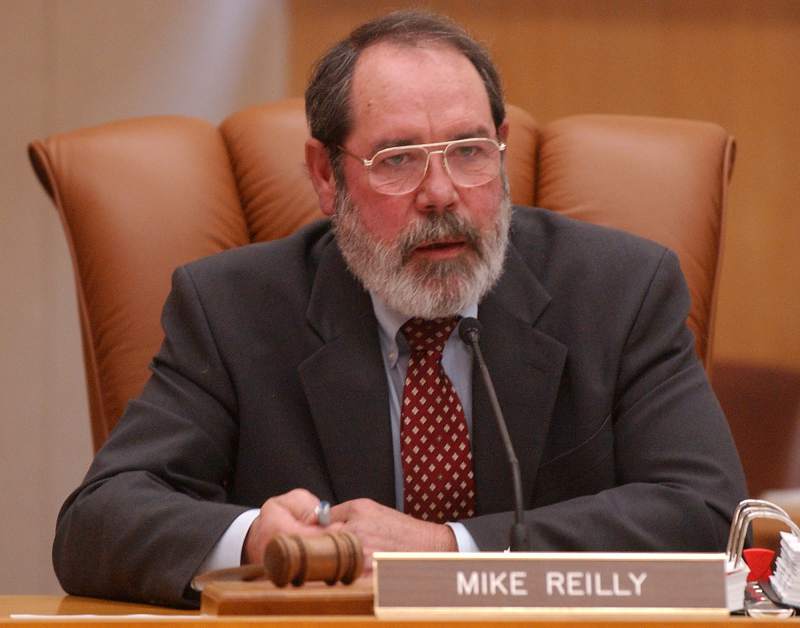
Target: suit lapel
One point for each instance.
(346, 387)
(345, 384)
(526, 366)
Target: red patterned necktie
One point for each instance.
(434, 441)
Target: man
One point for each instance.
(326, 367)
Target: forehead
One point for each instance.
(416, 94)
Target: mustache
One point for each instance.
(445, 226)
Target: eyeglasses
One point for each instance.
(401, 169)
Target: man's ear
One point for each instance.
(320, 170)
(502, 131)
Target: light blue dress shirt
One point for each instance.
(457, 363)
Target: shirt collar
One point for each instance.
(390, 321)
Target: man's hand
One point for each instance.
(384, 529)
(290, 513)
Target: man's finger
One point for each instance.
(340, 512)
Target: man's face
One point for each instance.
(433, 250)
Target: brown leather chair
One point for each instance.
(762, 403)
(139, 197)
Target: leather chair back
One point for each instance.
(139, 197)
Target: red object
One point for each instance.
(760, 562)
(434, 440)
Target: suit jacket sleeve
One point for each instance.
(661, 473)
(153, 502)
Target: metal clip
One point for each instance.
(756, 603)
(747, 511)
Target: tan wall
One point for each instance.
(734, 62)
(66, 64)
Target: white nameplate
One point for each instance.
(424, 584)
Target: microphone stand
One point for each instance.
(470, 333)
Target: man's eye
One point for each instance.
(468, 150)
(396, 160)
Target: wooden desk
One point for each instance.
(72, 605)
(119, 614)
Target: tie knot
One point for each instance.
(428, 335)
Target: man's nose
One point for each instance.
(437, 191)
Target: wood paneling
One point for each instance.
(734, 62)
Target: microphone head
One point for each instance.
(469, 329)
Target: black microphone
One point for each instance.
(470, 331)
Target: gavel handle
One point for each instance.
(244, 573)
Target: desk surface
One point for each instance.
(52, 610)
(72, 605)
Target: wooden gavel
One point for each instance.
(331, 557)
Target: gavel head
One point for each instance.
(331, 557)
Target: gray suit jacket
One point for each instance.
(270, 378)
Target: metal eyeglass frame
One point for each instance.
(440, 148)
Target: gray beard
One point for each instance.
(424, 288)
